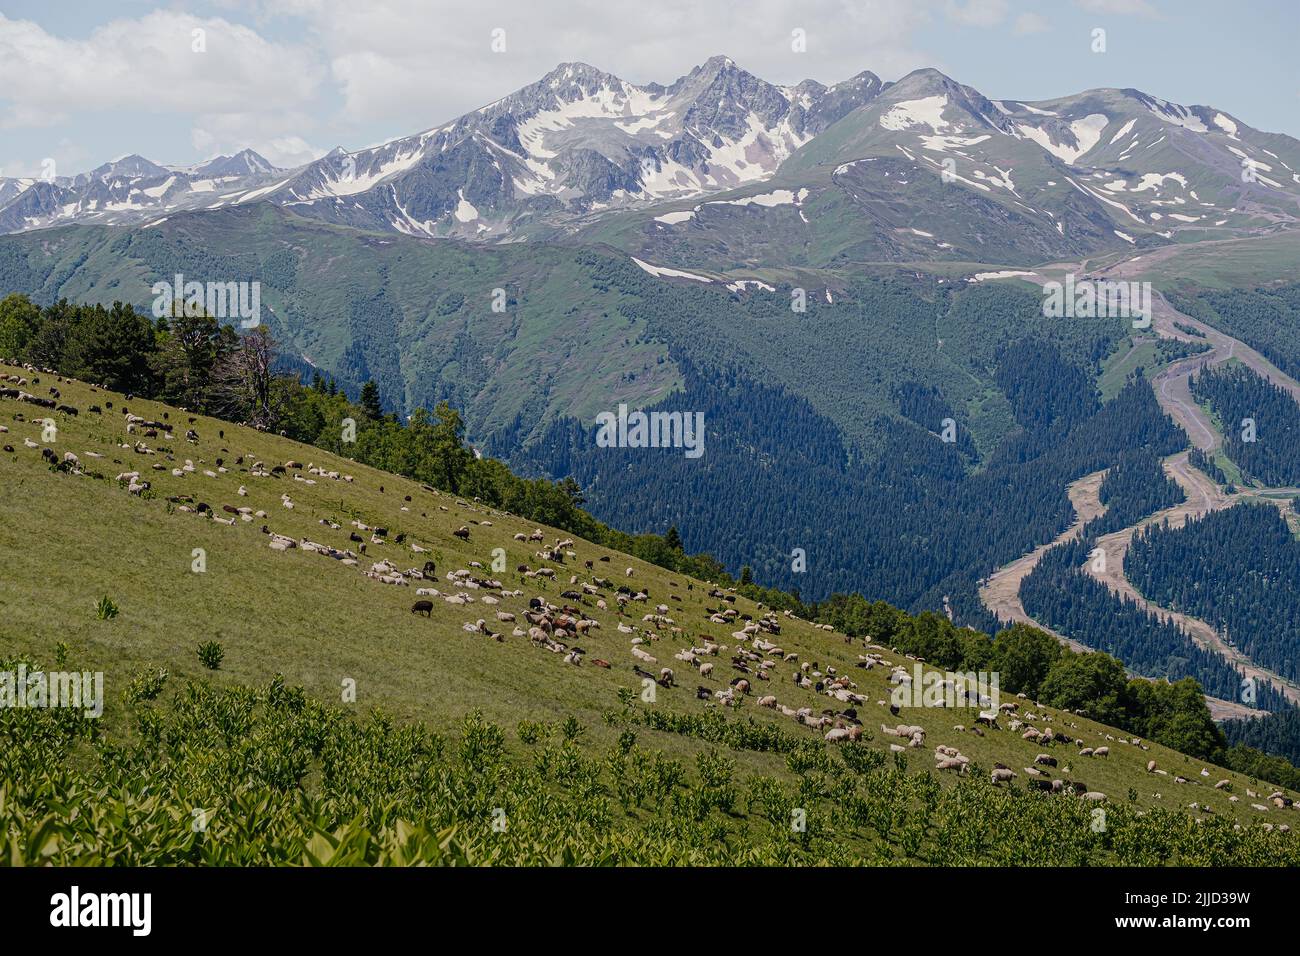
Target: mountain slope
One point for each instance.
(323, 622)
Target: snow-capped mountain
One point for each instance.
(577, 141)
(932, 169)
(1154, 165)
(127, 191)
(1101, 168)
(244, 163)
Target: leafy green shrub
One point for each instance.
(211, 655)
(530, 731)
(106, 610)
(145, 685)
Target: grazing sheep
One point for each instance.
(1101, 752)
(706, 669)
(844, 733)
(422, 607)
(1002, 775)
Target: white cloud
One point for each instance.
(149, 65)
(1134, 8)
(69, 157)
(242, 90)
(393, 58)
(1028, 23)
(977, 13)
(228, 133)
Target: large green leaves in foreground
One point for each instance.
(271, 777)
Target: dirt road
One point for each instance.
(1203, 496)
(1001, 593)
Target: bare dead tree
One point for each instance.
(244, 383)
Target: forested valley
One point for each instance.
(1238, 569)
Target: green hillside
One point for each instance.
(74, 534)
(583, 328)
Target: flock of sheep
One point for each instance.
(751, 664)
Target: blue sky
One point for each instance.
(84, 82)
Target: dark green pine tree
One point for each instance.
(371, 406)
(673, 539)
(747, 575)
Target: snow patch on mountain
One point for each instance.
(927, 111)
(1004, 274)
(1123, 131)
(1156, 180)
(465, 211)
(1178, 115)
(778, 197)
(944, 144)
(661, 271)
(1086, 133)
(1226, 124)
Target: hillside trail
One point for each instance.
(1203, 496)
(1001, 592)
(1172, 387)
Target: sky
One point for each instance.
(83, 82)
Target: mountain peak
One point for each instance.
(577, 73)
(719, 61)
(244, 163)
(132, 166)
(717, 66)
